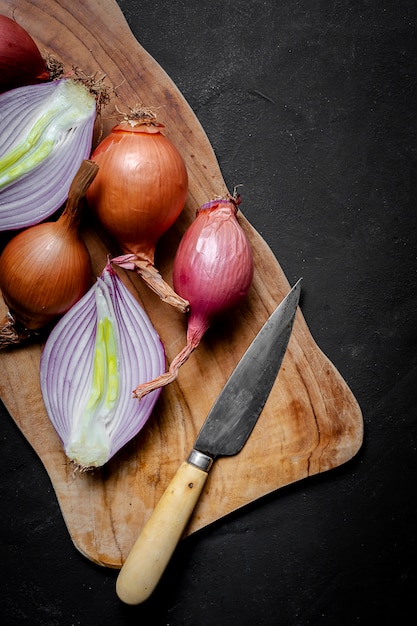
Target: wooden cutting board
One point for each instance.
(311, 422)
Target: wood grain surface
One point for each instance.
(311, 422)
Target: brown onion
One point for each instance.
(139, 193)
(46, 268)
(213, 270)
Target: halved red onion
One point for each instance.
(88, 393)
(46, 132)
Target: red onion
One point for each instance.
(90, 362)
(213, 270)
(45, 133)
(21, 62)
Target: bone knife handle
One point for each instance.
(155, 545)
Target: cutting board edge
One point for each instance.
(224, 518)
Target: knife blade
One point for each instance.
(224, 433)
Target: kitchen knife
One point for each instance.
(224, 433)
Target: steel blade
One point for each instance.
(237, 408)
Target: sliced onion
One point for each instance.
(67, 367)
(38, 192)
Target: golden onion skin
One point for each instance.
(141, 187)
(44, 270)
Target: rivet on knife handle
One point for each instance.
(224, 433)
(155, 545)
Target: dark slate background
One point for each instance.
(311, 106)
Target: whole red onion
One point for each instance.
(21, 62)
(213, 270)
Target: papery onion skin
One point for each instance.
(56, 118)
(66, 367)
(139, 193)
(21, 62)
(213, 269)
